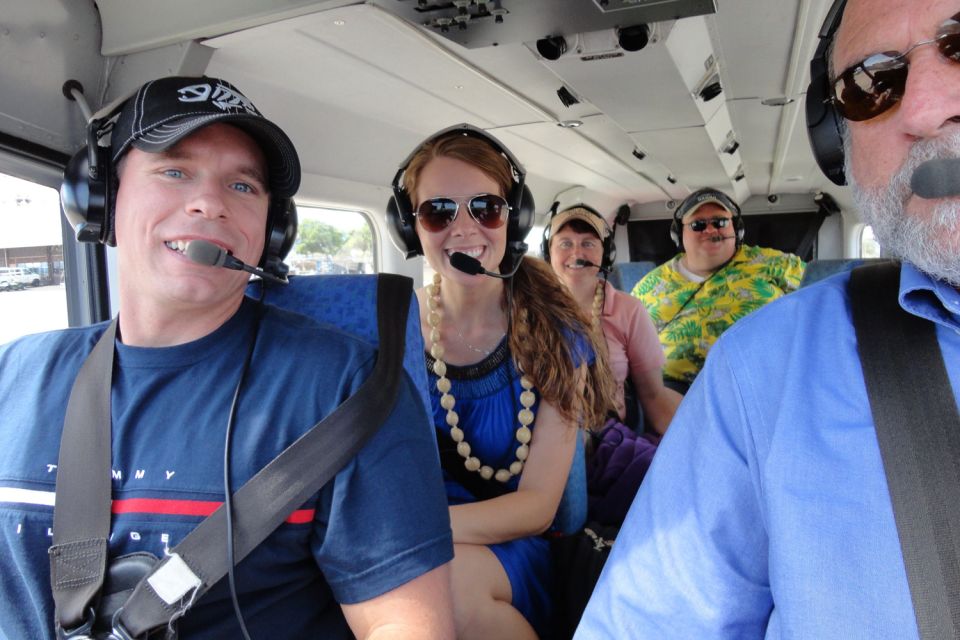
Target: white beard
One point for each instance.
(931, 241)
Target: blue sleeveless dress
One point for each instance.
(487, 399)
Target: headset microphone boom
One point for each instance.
(207, 253)
(472, 266)
(586, 263)
(938, 178)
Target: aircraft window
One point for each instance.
(32, 293)
(869, 247)
(332, 241)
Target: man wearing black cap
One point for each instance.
(191, 159)
(714, 281)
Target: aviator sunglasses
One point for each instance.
(876, 84)
(699, 226)
(436, 214)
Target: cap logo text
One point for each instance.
(220, 96)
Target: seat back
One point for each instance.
(349, 302)
(819, 269)
(625, 275)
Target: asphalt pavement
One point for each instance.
(32, 310)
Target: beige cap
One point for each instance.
(592, 218)
(701, 197)
(696, 207)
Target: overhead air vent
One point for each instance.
(479, 23)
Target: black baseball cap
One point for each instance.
(163, 112)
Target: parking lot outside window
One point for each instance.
(32, 295)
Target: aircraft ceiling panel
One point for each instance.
(640, 90)
(31, 46)
(690, 155)
(574, 158)
(747, 27)
(756, 127)
(404, 65)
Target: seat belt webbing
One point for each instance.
(918, 430)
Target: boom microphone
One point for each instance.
(939, 178)
(207, 253)
(719, 238)
(472, 266)
(587, 263)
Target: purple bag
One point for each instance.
(615, 470)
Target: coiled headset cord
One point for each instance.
(227, 492)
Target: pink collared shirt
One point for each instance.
(632, 343)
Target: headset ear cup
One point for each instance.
(824, 124)
(609, 252)
(739, 228)
(402, 227)
(521, 218)
(545, 244)
(824, 130)
(282, 223)
(676, 234)
(84, 200)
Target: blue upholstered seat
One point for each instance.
(625, 275)
(349, 302)
(820, 269)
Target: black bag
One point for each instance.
(578, 561)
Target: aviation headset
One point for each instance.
(89, 191)
(609, 245)
(401, 222)
(824, 124)
(696, 198)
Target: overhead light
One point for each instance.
(552, 47)
(779, 101)
(633, 38)
(339, 23)
(569, 124)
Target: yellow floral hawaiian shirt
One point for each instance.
(690, 316)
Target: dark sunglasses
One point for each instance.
(876, 84)
(699, 226)
(436, 214)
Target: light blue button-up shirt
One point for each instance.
(766, 512)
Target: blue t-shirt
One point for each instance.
(379, 523)
(766, 512)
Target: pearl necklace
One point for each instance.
(527, 399)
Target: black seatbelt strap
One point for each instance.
(918, 430)
(814, 222)
(81, 513)
(263, 502)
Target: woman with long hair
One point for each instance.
(512, 372)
